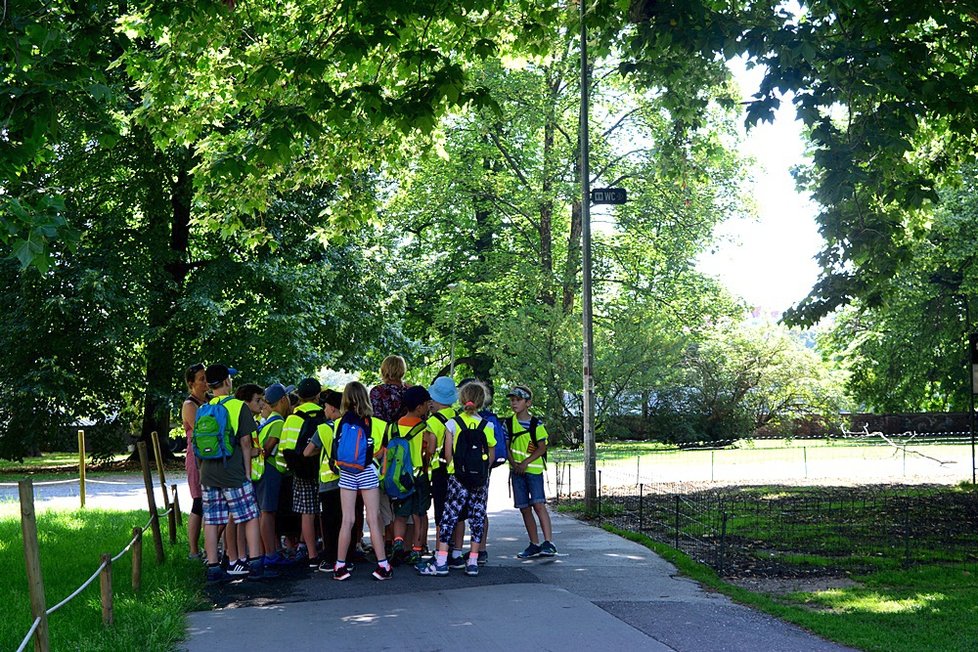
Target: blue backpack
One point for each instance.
(212, 431)
(500, 454)
(353, 447)
(398, 463)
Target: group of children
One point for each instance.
(342, 459)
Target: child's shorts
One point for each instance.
(528, 489)
(417, 503)
(268, 489)
(239, 502)
(366, 479)
(305, 496)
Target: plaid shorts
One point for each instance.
(219, 502)
(305, 496)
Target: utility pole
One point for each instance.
(590, 463)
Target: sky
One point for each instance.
(769, 260)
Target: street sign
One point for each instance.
(609, 196)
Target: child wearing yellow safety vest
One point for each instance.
(330, 514)
(267, 469)
(305, 492)
(416, 401)
(461, 499)
(356, 410)
(527, 451)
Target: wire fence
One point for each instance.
(800, 531)
(854, 460)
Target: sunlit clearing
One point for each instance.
(876, 603)
(67, 520)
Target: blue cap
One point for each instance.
(276, 392)
(443, 390)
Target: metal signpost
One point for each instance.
(590, 463)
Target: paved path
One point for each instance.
(601, 592)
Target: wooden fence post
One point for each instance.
(137, 559)
(105, 582)
(159, 467)
(32, 558)
(151, 498)
(176, 505)
(171, 524)
(81, 467)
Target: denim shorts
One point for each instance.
(527, 489)
(239, 502)
(268, 488)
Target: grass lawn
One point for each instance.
(71, 544)
(932, 605)
(49, 462)
(926, 607)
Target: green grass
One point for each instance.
(48, 461)
(929, 607)
(71, 545)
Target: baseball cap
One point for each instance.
(415, 396)
(276, 392)
(309, 388)
(521, 391)
(331, 397)
(443, 390)
(218, 373)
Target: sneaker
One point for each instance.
(341, 573)
(472, 569)
(380, 573)
(195, 556)
(216, 574)
(278, 559)
(238, 568)
(313, 563)
(431, 569)
(413, 558)
(326, 566)
(483, 557)
(257, 571)
(456, 563)
(225, 562)
(397, 553)
(548, 549)
(532, 550)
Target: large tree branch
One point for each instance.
(510, 161)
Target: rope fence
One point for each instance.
(38, 629)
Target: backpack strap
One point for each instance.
(415, 430)
(534, 422)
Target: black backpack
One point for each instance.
(471, 454)
(305, 468)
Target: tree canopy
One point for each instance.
(303, 184)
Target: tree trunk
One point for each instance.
(171, 277)
(572, 267)
(481, 365)
(547, 204)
